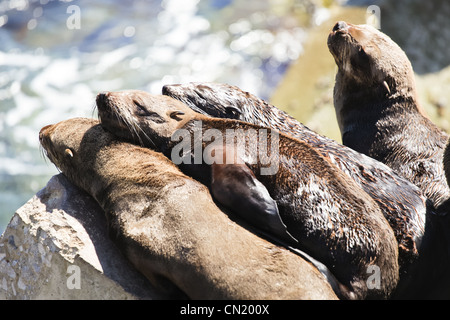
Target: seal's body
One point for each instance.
(333, 220)
(401, 202)
(168, 226)
(377, 108)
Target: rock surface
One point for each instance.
(56, 247)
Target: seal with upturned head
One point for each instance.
(168, 226)
(332, 219)
(377, 108)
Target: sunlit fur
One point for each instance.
(168, 226)
(333, 219)
(401, 202)
(376, 105)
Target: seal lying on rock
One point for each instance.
(401, 202)
(423, 262)
(167, 225)
(331, 217)
(377, 108)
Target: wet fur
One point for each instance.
(168, 226)
(378, 112)
(421, 234)
(328, 213)
(401, 202)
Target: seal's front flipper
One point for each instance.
(236, 187)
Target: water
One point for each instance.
(55, 56)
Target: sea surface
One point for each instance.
(55, 56)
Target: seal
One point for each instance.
(446, 162)
(376, 106)
(401, 202)
(168, 226)
(443, 225)
(332, 219)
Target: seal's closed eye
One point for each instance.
(143, 112)
(175, 114)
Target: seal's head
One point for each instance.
(230, 102)
(141, 117)
(63, 141)
(366, 56)
(211, 99)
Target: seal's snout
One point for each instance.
(339, 38)
(168, 89)
(340, 26)
(101, 98)
(44, 132)
(45, 138)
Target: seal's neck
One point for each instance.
(365, 111)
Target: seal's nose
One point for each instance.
(340, 26)
(168, 89)
(44, 132)
(101, 98)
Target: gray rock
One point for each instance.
(56, 247)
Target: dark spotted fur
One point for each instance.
(333, 220)
(401, 202)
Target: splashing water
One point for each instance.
(55, 56)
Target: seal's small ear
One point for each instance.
(68, 152)
(175, 114)
(387, 87)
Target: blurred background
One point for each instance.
(55, 56)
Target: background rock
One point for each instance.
(56, 247)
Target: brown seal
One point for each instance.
(424, 261)
(333, 220)
(167, 225)
(401, 202)
(377, 108)
(446, 162)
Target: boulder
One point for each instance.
(56, 246)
